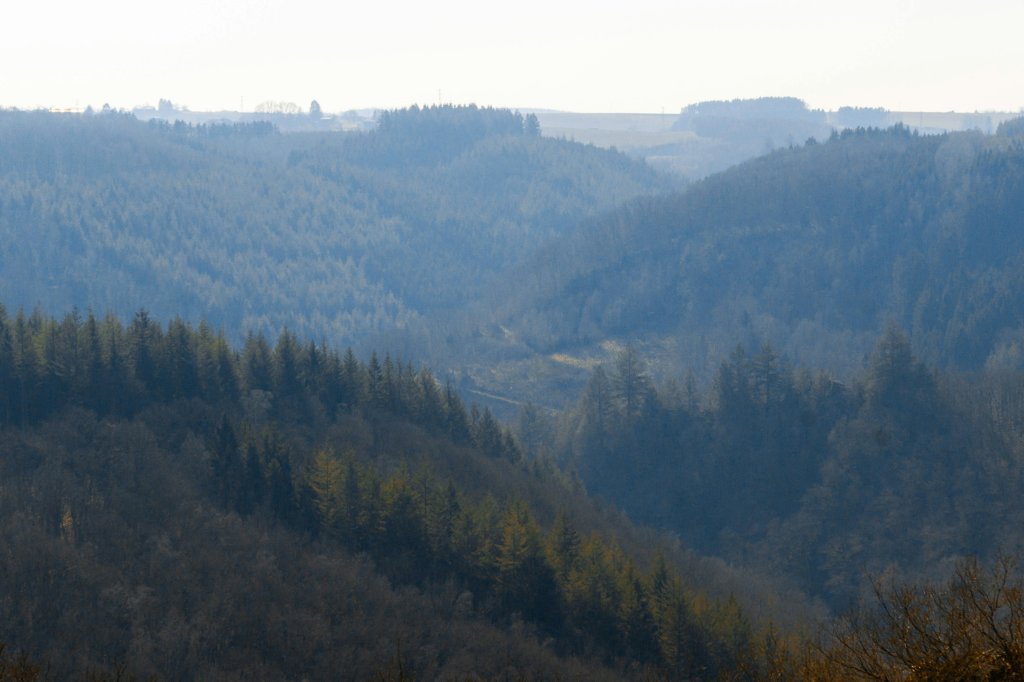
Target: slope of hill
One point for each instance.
(181, 508)
(904, 469)
(815, 250)
(709, 137)
(335, 235)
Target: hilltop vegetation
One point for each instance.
(814, 249)
(243, 499)
(903, 469)
(334, 235)
(180, 507)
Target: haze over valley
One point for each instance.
(418, 342)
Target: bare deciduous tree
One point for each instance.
(971, 628)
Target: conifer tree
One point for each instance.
(353, 381)
(225, 464)
(630, 386)
(456, 422)
(562, 547)
(90, 384)
(257, 364)
(7, 373)
(142, 337)
(25, 369)
(182, 378)
(325, 482)
(376, 390)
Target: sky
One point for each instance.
(595, 56)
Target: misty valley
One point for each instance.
(448, 394)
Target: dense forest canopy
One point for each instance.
(391, 235)
(742, 129)
(389, 527)
(335, 235)
(903, 468)
(175, 505)
(809, 366)
(813, 249)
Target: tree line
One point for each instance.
(337, 235)
(292, 459)
(814, 249)
(119, 434)
(797, 473)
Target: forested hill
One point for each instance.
(173, 505)
(335, 235)
(904, 469)
(814, 249)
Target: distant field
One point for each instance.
(642, 123)
(624, 140)
(940, 122)
(650, 136)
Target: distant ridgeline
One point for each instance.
(779, 110)
(764, 108)
(815, 249)
(448, 130)
(337, 235)
(779, 117)
(767, 121)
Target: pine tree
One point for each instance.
(120, 388)
(630, 385)
(54, 371)
(257, 364)
(431, 412)
(324, 481)
(225, 464)
(358, 520)
(286, 363)
(25, 370)
(524, 580)
(7, 372)
(897, 384)
(597, 406)
(181, 365)
(443, 510)
(488, 437)
(91, 380)
(562, 547)
(280, 482)
(226, 377)
(456, 421)
(636, 623)
(142, 337)
(376, 390)
(353, 381)
(254, 482)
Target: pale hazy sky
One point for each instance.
(641, 55)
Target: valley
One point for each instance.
(480, 393)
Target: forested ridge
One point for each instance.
(904, 468)
(815, 249)
(334, 235)
(173, 505)
(809, 367)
